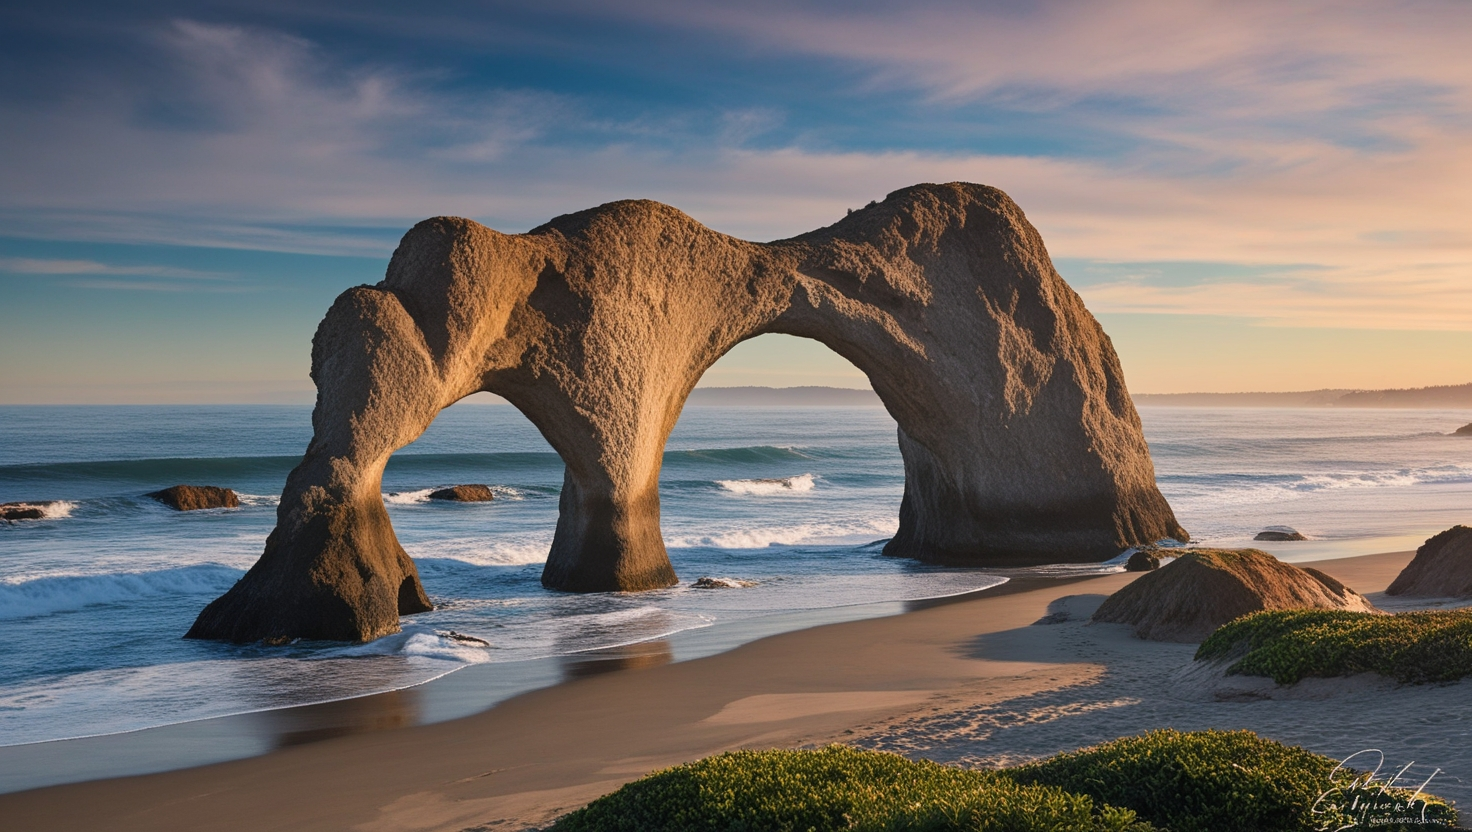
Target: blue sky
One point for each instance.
(1248, 195)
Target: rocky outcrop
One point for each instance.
(1142, 561)
(22, 511)
(1442, 568)
(1464, 430)
(1279, 534)
(196, 497)
(1020, 442)
(464, 494)
(1200, 591)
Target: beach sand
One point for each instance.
(1003, 676)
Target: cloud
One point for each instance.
(1263, 134)
(27, 265)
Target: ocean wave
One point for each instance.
(800, 484)
(50, 509)
(64, 593)
(812, 534)
(420, 642)
(407, 498)
(515, 552)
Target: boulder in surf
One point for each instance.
(195, 497)
(464, 494)
(1442, 568)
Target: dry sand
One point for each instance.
(1011, 675)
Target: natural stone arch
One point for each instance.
(1020, 441)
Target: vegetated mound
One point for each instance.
(1442, 567)
(1279, 534)
(1205, 588)
(464, 494)
(1221, 781)
(195, 497)
(1289, 645)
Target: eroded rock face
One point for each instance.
(196, 497)
(1019, 439)
(1188, 598)
(1442, 568)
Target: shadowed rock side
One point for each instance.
(1442, 568)
(1019, 440)
(195, 497)
(1188, 598)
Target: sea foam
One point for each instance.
(800, 484)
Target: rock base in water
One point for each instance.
(21, 511)
(721, 583)
(196, 497)
(1200, 591)
(1442, 568)
(1464, 430)
(464, 494)
(1279, 534)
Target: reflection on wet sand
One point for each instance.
(313, 723)
(639, 656)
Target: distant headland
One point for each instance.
(1452, 395)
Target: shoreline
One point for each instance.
(538, 754)
(455, 694)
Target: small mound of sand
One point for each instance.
(1200, 591)
(1442, 568)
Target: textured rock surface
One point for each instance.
(1442, 568)
(1187, 599)
(464, 494)
(1279, 534)
(1019, 440)
(195, 497)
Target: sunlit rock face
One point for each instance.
(1019, 439)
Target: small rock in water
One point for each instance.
(721, 583)
(1464, 430)
(464, 494)
(1142, 561)
(1279, 534)
(461, 637)
(22, 511)
(195, 497)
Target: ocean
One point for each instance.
(797, 502)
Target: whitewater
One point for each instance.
(785, 509)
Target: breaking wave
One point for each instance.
(800, 484)
(53, 594)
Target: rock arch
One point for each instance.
(1019, 439)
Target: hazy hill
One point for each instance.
(781, 397)
(1454, 395)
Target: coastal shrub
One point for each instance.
(839, 788)
(1205, 781)
(1288, 645)
(1224, 781)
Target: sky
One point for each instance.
(1248, 195)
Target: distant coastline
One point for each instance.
(1454, 395)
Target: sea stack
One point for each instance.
(1442, 568)
(1464, 430)
(1020, 442)
(1203, 589)
(196, 497)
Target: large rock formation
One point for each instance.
(1442, 568)
(1019, 440)
(1187, 599)
(464, 494)
(195, 497)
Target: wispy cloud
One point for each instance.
(28, 265)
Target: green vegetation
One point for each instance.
(1288, 645)
(1184, 782)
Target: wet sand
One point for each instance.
(1004, 675)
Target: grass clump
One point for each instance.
(1207, 781)
(839, 788)
(1289, 645)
